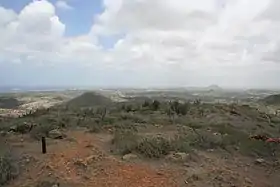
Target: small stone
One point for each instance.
(130, 156)
(80, 163)
(177, 157)
(259, 161)
(248, 181)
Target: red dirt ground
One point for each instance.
(83, 161)
(65, 162)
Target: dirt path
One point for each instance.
(82, 163)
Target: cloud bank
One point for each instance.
(233, 43)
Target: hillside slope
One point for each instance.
(89, 99)
(9, 103)
(271, 100)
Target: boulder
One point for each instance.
(56, 134)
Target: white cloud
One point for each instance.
(179, 42)
(61, 4)
(35, 31)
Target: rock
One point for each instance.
(130, 156)
(177, 157)
(56, 134)
(81, 163)
(28, 159)
(259, 161)
(216, 134)
(160, 173)
(248, 181)
(13, 128)
(3, 133)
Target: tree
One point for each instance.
(155, 105)
(146, 104)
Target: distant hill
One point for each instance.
(271, 100)
(214, 88)
(89, 99)
(9, 103)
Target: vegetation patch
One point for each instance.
(8, 166)
(125, 141)
(9, 103)
(155, 147)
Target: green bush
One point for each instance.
(8, 167)
(179, 108)
(136, 118)
(155, 147)
(146, 104)
(155, 105)
(41, 130)
(181, 143)
(205, 140)
(259, 149)
(125, 126)
(125, 141)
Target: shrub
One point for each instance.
(179, 108)
(95, 127)
(146, 104)
(133, 117)
(205, 140)
(155, 105)
(128, 108)
(155, 147)
(181, 143)
(8, 167)
(183, 108)
(259, 149)
(41, 130)
(125, 141)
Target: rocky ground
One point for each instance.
(83, 159)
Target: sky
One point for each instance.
(140, 43)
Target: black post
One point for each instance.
(44, 145)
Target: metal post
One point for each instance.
(44, 145)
